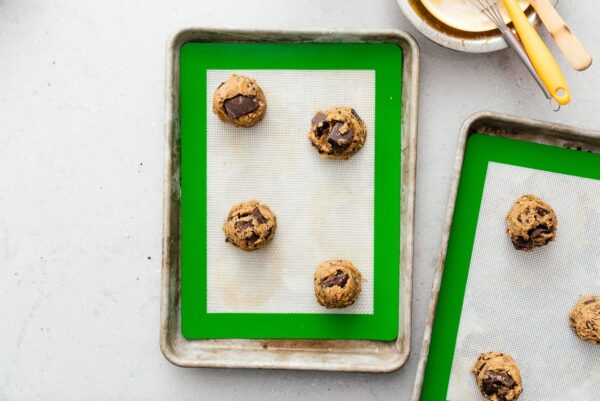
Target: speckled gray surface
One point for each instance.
(81, 167)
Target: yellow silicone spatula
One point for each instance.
(574, 52)
(541, 58)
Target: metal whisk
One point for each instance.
(492, 11)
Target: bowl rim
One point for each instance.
(476, 45)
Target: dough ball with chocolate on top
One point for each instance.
(585, 318)
(250, 225)
(239, 101)
(498, 376)
(337, 283)
(337, 133)
(531, 223)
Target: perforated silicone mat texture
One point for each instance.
(518, 302)
(324, 207)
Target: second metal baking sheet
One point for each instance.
(494, 298)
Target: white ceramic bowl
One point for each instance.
(453, 33)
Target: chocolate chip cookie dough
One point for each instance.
(498, 376)
(337, 283)
(337, 133)
(239, 101)
(250, 225)
(585, 318)
(531, 223)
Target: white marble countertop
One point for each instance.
(81, 169)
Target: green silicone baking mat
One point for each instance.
(198, 63)
(529, 278)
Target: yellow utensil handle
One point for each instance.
(541, 58)
(566, 40)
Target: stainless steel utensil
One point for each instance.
(566, 40)
(491, 10)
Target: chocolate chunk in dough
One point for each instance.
(322, 129)
(337, 283)
(239, 101)
(355, 114)
(243, 225)
(251, 240)
(258, 216)
(339, 138)
(319, 124)
(340, 279)
(521, 244)
(493, 382)
(318, 118)
(534, 233)
(250, 225)
(240, 105)
(337, 133)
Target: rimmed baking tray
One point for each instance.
(522, 136)
(345, 355)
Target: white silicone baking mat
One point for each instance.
(324, 207)
(518, 302)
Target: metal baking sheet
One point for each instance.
(503, 126)
(343, 355)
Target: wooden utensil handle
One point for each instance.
(574, 51)
(541, 58)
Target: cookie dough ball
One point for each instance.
(337, 133)
(239, 101)
(585, 318)
(337, 283)
(250, 225)
(531, 223)
(498, 376)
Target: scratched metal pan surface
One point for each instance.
(334, 355)
(506, 126)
